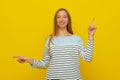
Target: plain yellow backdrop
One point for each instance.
(25, 24)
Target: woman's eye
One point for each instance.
(65, 16)
(58, 17)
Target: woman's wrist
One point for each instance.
(30, 61)
(91, 37)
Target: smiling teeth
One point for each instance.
(62, 23)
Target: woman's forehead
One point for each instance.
(62, 12)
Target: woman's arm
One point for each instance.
(86, 53)
(44, 62)
(36, 63)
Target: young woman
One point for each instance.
(62, 50)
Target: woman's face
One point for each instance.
(62, 19)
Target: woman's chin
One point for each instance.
(62, 26)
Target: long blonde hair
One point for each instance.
(69, 26)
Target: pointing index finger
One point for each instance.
(15, 56)
(92, 21)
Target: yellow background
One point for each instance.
(25, 24)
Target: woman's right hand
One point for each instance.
(22, 59)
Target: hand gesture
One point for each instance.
(22, 59)
(91, 29)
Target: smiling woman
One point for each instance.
(62, 50)
(62, 19)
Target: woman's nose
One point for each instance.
(61, 19)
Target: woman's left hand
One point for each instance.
(91, 30)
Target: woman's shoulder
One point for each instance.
(78, 39)
(75, 36)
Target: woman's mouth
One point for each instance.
(62, 23)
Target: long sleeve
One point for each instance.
(45, 60)
(86, 52)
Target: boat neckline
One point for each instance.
(64, 36)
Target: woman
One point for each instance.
(62, 50)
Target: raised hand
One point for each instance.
(91, 29)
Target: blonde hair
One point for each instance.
(69, 26)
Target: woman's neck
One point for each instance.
(63, 32)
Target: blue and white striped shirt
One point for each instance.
(62, 59)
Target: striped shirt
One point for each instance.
(62, 59)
